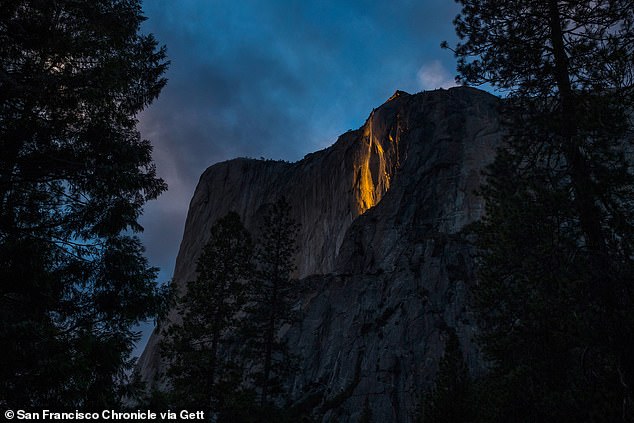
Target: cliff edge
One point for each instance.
(383, 275)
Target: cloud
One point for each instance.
(433, 75)
(274, 79)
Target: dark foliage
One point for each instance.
(448, 401)
(225, 355)
(74, 175)
(204, 369)
(556, 269)
(270, 301)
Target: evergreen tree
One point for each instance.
(202, 370)
(271, 297)
(74, 175)
(556, 269)
(448, 400)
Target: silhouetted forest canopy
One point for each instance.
(74, 175)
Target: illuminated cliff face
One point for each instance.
(378, 161)
(371, 177)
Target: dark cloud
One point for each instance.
(277, 79)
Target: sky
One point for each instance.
(276, 79)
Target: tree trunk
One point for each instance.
(604, 283)
(268, 346)
(589, 214)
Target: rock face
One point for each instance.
(384, 275)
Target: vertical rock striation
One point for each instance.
(376, 327)
(383, 273)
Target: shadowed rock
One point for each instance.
(383, 272)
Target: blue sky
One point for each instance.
(276, 79)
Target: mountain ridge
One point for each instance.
(382, 273)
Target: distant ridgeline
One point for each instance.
(383, 275)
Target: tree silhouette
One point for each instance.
(271, 295)
(448, 400)
(202, 371)
(74, 175)
(556, 270)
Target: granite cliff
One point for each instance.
(383, 275)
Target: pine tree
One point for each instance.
(271, 297)
(448, 400)
(556, 269)
(202, 370)
(74, 175)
